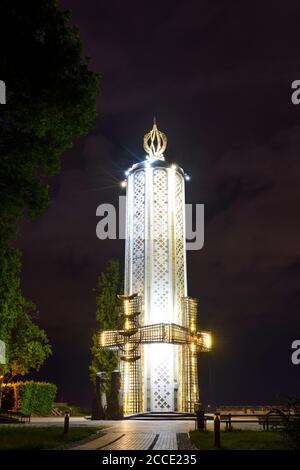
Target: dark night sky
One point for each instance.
(218, 77)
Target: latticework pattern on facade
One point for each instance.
(129, 341)
(189, 390)
(130, 352)
(131, 375)
(179, 245)
(130, 306)
(190, 307)
(160, 294)
(189, 371)
(156, 333)
(138, 235)
(162, 372)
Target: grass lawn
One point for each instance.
(240, 440)
(40, 437)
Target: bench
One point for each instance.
(266, 420)
(275, 420)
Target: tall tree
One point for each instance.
(51, 99)
(27, 345)
(109, 285)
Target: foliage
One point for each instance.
(27, 344)
(109, 285)
(290, 419)
(29, 397)
(8, 397)
(41, 437)
(240, 440)
(51, 99)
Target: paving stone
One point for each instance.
(100, 441)
(132, 441)
(137, 441)
(166, 441)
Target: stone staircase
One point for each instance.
(162, 416)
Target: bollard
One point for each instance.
(229, 422)
(217, 433)
(199, 416)
(66, 422)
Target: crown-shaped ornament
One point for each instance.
(155, 143)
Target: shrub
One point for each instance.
(291, 422)
(8, 397)
(29, 397)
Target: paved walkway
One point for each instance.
(166, 441)
(126, 425)
(148, 426)
(132, 441)
(127, 434)
(134, 434)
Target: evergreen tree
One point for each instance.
(109, 285)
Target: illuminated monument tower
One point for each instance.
(157, 339)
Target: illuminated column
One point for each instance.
(156, 336)
(155, 264)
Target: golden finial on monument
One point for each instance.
(155, 143)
